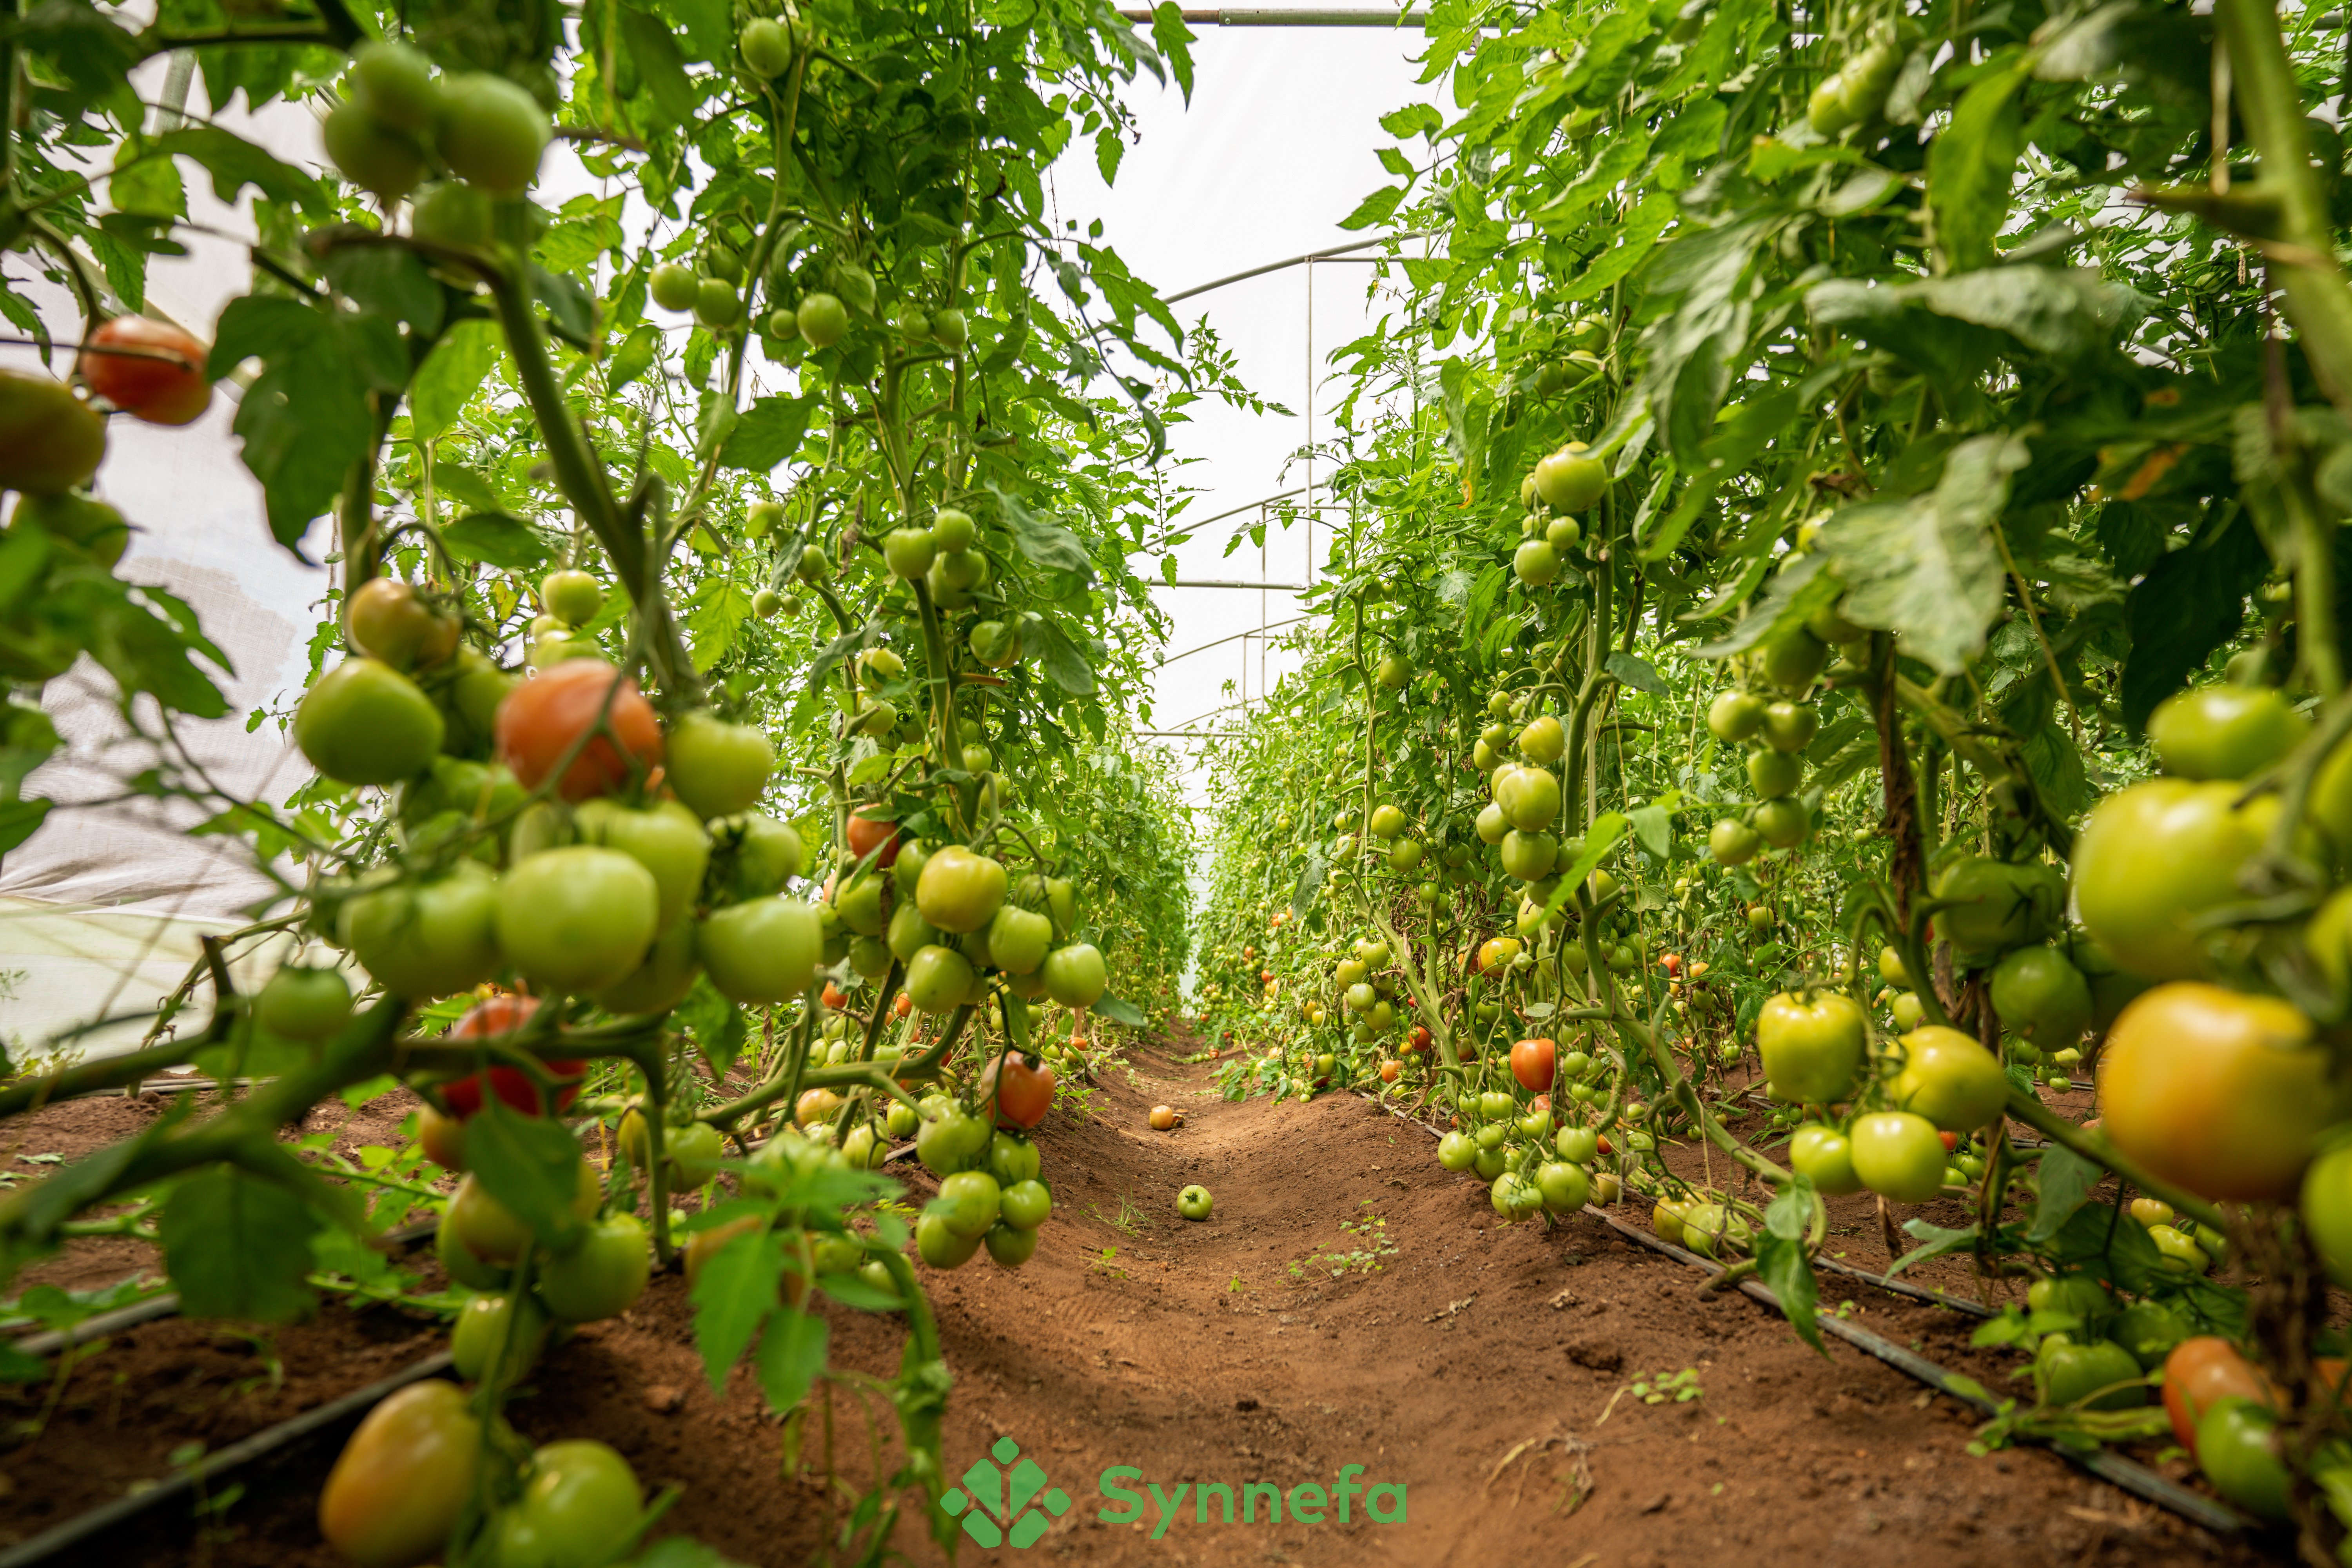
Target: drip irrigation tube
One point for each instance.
(312, 1423)
(2114, 1469)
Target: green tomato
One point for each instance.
(1457, 1150)
(764, 950)
(582, 1499)
(672, 286)
(462, 1263)
(1012, 1158)
(377, 158)
(365, 723)
(578, 917)
(823, 321)
(300, 1003)
(2238, 1449)
(1898, 1155)
(2156, 856)
(1824, 1156)
(665, 838)
(952, 1142)
(1811, 1050)
(1075, 976)
(1949, 1078)
(971, 1201)
(694, 1152)
(1735, 716)
(2149, 1330)
(1195, 1203)
(767, 47)
(938, 979)
(1733, 843)
(491, 132)
(1009, 1246)
(2071, 1373)
(1563, 1186)
(1793, 660)
(1772, 774)
(662, 980)
(1536, 563)
(1529, 797)
(941, 1245)
(1991, 906)
(1026, 1204)
(429, 939)
(960, 891)
(1571, 479)
(1791, 726)
(601, 1277)
(718, 768)
(491, 1343)
(1578, 1145)
(2224, 731)
(2041, 996)
(1018, 939)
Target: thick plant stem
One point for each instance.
(2303, 250)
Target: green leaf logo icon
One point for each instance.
(994, 1502)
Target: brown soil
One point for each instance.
(1482, 1366)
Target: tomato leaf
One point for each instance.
(239, 1247)
(1310, 882)
(715, 1025)
(497, 539)
(2066, 1179)
(1781, 1263)
(792, 1352)
(1926, 568)
(531, 1165)
(450, 375)
(1175, 43)
(1119, 1012)
(1935, 1240)
(1375, 208)
(768, 433)
(1637, 672)
(1972, 166)
(2191, 602)
(1041, 539)
(736, 1294)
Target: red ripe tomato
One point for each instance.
(1389, 1071)
(1951, 1140)
(500, 1016)
(542, 719)
(1672, 961)
(1606, 1147)
(865, 833)
(163, 381)
(1534, 1063)
(835, 996)
(1264, 975)
(1025, 1092)
(2203, 1371)
(902, 1007)
(1418, 1040)
(1542, 1105)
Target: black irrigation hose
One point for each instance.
(2112, 1467)
(164, 1306)
(312, 1423)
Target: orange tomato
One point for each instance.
(162, 381)
(2201, 1373)
(1534, 1063)
(397, 1489)
(541, 721)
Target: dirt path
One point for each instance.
(1477, 1366)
